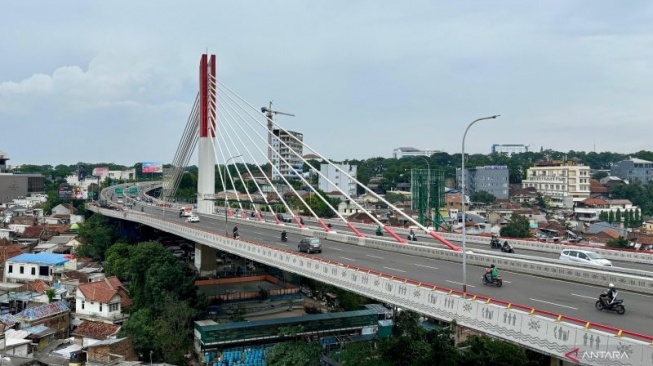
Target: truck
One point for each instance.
(186, 211)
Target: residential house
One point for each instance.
(648, 226)
(598, 190)
(54, 315)
(11, 250)
(520, 195)
(110, 350)
(38, 266)
(90, 332)
(101, 301)
(40, 335)
(15, 343)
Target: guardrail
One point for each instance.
(552, 333)
(635, 280)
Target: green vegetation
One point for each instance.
(620, 243)
(412, 345)
(518, 227)
(165, 300)
(483, 197)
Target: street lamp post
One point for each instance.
(226, 229)
(463, 183)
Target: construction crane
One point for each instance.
(269, 114)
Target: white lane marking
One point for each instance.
(395, 269)
(506, 281)
(459, 283)
(552, 303)
(285, 245)
(585, 296)
(375, 256)
(336, 249)
(425, 266)
(349, 259)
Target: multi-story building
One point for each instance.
(402, 152)
(335, 180)
(509, 149)
(17, 186)
(492, 179)
(561, 184)
(288, 149)
(590, 209)
(633, 169)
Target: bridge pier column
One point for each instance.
(206, 154)
(205, 259)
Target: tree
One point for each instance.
(619, 242)
(488, 351)
(603, 216)
(97, 234)
(637, 220)
(50, 293)
(518, 227)
(617, 216)
(141, 329)
(174, 329)
(296, 352)
(611, 216)
(483, 197)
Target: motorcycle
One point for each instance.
(507, 248)
(236, 235)
(616, 306)
(379, 233)
(497, 281)
(284, 237)
(494, 243)
(412, 237)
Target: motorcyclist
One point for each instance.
(609, 295)
(379, 232)
(506, 247)
(494, 242)
(491, 273)
(411, 235)
(284, 235)
(301, 220)
(235, 231)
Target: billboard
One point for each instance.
(65, 192)
(100, 172)
(150, 167)
(80, 192)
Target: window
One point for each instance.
(83, 303)
(22, 270)
(11, 268)
(100, 306)
(33, 271)
(114, 307)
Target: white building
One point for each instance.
(560, 183)
(101, 301)
(402, 152)
(335, 180)
(30, 267)
(291, 152)
(590, 209)
(509, 149)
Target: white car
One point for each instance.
(193, 219)
(584, 256)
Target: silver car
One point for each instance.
(584, 256)
(310, 245)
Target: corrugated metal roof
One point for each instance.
(40, 258)
(43, 311)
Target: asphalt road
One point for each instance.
(567, 298)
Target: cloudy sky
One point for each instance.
(114, 81)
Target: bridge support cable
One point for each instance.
(227, 174)
(303, 180)
(258, 188)
(372, 217)
(368, 190)
(183, 154)
(281, 198)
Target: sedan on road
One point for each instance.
(193, 219)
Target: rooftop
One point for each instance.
(40, 258)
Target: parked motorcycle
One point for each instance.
(616, 306)
(497, 281)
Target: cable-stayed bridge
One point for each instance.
(413, 275)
